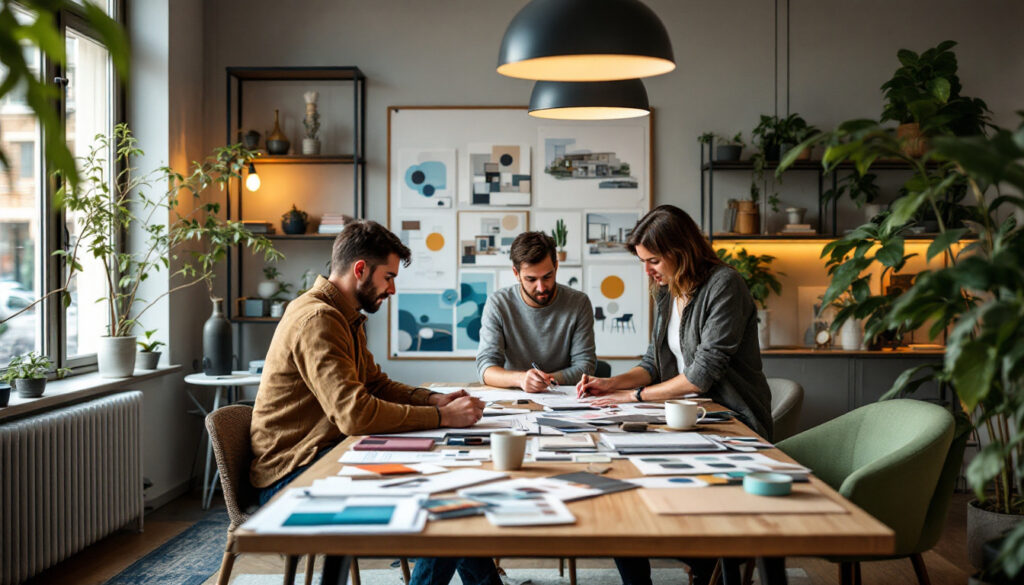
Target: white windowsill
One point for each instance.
(76, 389)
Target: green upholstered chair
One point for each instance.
(896, 459)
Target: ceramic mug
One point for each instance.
(508, 449)
(683, 414)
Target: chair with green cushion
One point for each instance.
(897, 460)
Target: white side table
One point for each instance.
(222, 384)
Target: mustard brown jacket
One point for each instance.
(320, 384)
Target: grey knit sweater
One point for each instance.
(718, 336)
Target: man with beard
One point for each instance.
(538, 332)
(320, 382)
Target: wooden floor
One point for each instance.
(947, 562)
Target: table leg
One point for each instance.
(730, 571)
(772, 570)
(335, 571)
(207, 484)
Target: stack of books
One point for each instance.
(798, 228)
(333, 223)
(258, 227)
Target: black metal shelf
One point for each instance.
(305, 159)
(300, 236)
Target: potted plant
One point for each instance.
(148, 356)
(147, 204)
(560, 234)
(772, 133)
(294, 221)
(279, 299)
(762, 282)
(27, 373)
(311, 143)
(270, 284)
(923, 97)
(726, 149)
(977, 297)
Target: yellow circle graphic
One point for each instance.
(612, 287)
(510, 222)
(435, 242)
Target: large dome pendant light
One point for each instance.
(593, 100)
(585, 40)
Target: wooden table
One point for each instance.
(611, 525)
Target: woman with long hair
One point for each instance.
(704, 341)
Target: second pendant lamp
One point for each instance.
(589, 100)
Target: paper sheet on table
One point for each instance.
(525, 487)
(712, 463)
(443, 457)
(667, 482)
(297, 513)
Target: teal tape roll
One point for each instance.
(763, 483)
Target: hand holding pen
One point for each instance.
(537, 380)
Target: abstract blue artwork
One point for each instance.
(426, 178)
(424, 322)
(474, 289)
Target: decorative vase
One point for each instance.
(795, 214)
(764, 338)
(277, 142)
(293, 225)
(850, 335)
(217, 342)
(913, 142)
(310, 146)
(267, 288)
(147, 360)
(983, 526)
(728, 152)
(115, 357)
(747, 217)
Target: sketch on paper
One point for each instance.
(602, 166)
(485, 237)
(426, 178)
(618, 293)
(499, 174)
(544, 221)
(424, 322)
(475, 286)
(607, 233)
(431, 239)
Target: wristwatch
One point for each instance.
(637, 395)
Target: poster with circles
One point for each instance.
(463, 182)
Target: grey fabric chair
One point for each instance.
(787, 401)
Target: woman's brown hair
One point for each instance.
(671, 233)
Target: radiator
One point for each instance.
(68, 478)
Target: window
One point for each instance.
(30, 228)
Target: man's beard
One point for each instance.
(368, 297)
(545, 302)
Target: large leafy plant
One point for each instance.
(148, 204)
(756, 272)
(977, 297)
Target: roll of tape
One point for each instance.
(763, 483)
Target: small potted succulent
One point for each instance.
(27, 373)
(271, 283)
(726, 149)
(560, 234)
(294, 221)
(148, 356)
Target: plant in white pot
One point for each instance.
(147, 205)
(560, 235)
(756, 272)
(27, 374)
(149, 356)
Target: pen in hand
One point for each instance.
(551, 387)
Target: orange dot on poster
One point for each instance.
(435, 242)
(612, 287)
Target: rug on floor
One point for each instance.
(514, 577)
(187, 559)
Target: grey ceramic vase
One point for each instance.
(217, 342)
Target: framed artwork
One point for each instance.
(475, 286)
(423, 323)
(432, 239)
(499, 174)
(606, 234)
(544, 221)
(618, 293)
(489, 234)
(593, 166)
(426, 178)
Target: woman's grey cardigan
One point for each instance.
(718, 336)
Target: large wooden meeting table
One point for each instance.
(617, 524)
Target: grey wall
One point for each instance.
(443, 53)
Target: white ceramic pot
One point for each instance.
(851, 335)
(267, 288)
(763, 329)
(115, 357)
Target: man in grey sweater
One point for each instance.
(535, 333)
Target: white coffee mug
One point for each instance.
(683, 414)
(507, 449)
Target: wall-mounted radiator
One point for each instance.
(68, 478)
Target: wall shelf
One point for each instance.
(300, 236)
(302, 159)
